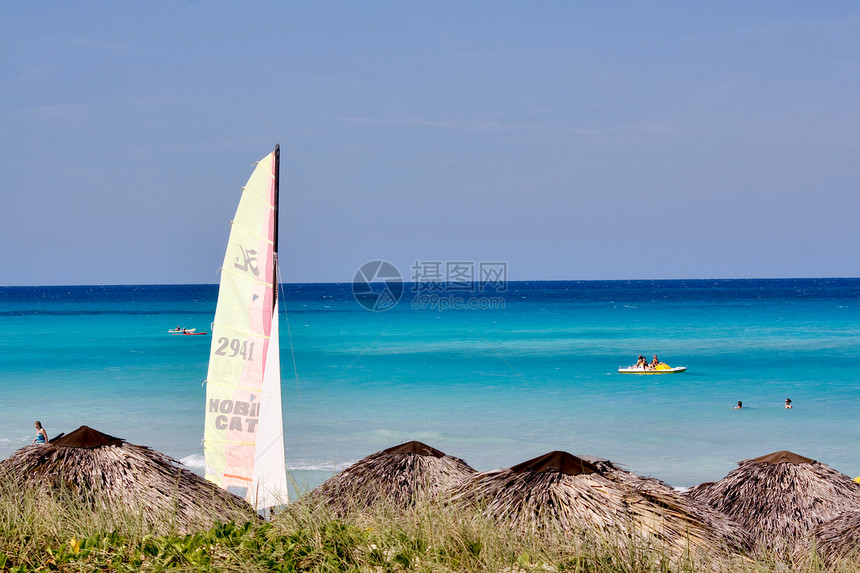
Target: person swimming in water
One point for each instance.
(739, 406)
(788, 403)
(41, 435)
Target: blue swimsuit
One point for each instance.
(40, 439)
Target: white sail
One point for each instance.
(270, 478)
(243, 433)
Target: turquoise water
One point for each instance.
(494, 387)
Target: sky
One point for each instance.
(568, 140)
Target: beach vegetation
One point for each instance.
(41, 533)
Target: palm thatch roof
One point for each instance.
(108, 474)
(562, 492)
(780, 497)
(839, 537)
(398, 477)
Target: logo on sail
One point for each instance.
(235, 415)
(249, 262)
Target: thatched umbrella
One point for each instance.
(109, 474)
(397, 477)
(780, 497)
(839, 537)
(562, 492)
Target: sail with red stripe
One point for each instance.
(243, 433)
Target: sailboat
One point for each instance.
(243, 438)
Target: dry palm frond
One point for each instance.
(399, 477)
(780, 498)
(597, 498)
(839, 537)
(109, 474)
(730, 532)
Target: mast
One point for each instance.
(275, 237)
(243, 427)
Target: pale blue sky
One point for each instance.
(572, 140)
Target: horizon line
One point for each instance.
(82, 285)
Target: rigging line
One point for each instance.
(538, 394)
(323, 179)
(283, 299)
(531, 184)
(283, 303)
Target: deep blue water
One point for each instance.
(494, 386)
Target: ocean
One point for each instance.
(529, 370)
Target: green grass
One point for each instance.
(38, 533)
